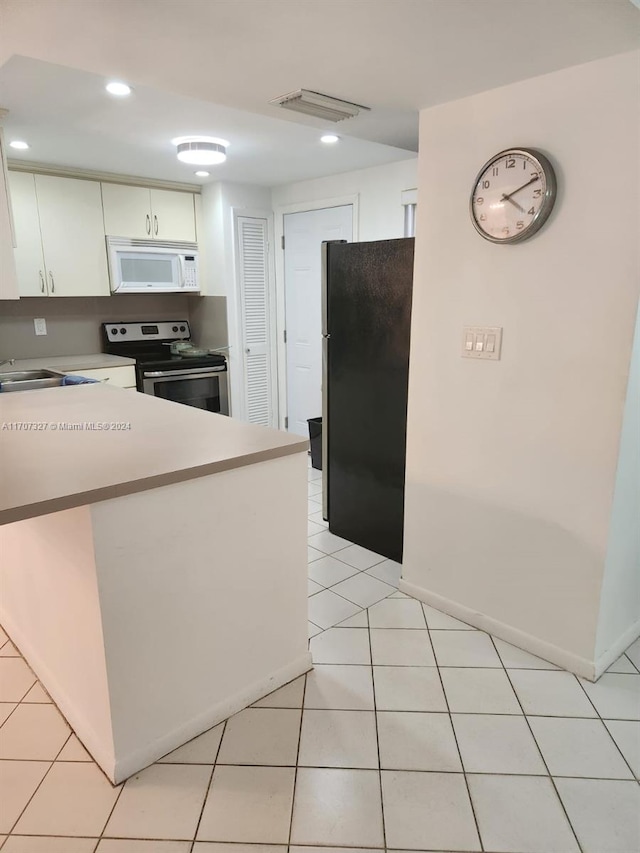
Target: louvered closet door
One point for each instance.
(254, 295)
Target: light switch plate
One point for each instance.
(482, 342)
(40, 325)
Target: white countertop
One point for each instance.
(67, 363)
(47, 468)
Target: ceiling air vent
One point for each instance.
(320, 106)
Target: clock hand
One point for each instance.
(514, 203)
(507, 197)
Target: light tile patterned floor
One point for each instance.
(414, 732)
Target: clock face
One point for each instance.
(513, 195)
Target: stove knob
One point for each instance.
(174, 328)
(182, 329)
(123, 331)
(114, 331)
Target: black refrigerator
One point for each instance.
(366, 320)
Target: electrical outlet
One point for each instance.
(40, 325)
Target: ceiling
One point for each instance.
(395, 56)
(70, 121)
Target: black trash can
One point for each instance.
(315, 439)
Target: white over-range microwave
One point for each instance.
(151, 266)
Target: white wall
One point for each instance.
(211, 242)
(620, 598)
(511, 465)
(378, 215)
(381, 216)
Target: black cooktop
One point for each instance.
(160, 361)
(149, 344)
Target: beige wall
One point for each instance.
(511, 465)
(73, 323)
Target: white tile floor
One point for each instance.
(414, 732)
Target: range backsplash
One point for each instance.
(73, 323)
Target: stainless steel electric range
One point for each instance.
(199, 379)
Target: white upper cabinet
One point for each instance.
(143, 214)
(174, 216)
(29, 258)
(8, 275)
(60, 247)
(72, 236)
(127, 211)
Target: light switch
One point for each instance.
(40, 325)
(482, 342)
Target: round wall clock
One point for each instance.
(513, 195)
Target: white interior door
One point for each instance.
(304, 234)
(255, 311)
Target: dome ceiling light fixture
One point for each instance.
(118, 88)
(201, 150)
(318, 105)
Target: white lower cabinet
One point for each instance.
(123, 377)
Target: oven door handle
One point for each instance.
(196, 372)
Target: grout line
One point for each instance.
(624, 654)
(375, 717)
(562, 806)
(295, 774)
(455, 737)
(604, 722)
(213, 770)
(355, 603)
(27, 804)
(599, 717)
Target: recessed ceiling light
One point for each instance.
(201, 150)
(117, 88)
(202, 174)
(19, 144)
(329, 138)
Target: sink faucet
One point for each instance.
(10, 361)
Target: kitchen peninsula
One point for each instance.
(153, 563)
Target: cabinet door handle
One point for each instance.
(41, 282)
(148, 224)
(155, 225)
(53, 284)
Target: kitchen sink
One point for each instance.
(30, 380)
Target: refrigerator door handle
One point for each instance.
(325, 425)
(325, 373)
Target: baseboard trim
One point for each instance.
(143, 757)
(528, 642)
(119, 769)
(616, 649)
(102, 754)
